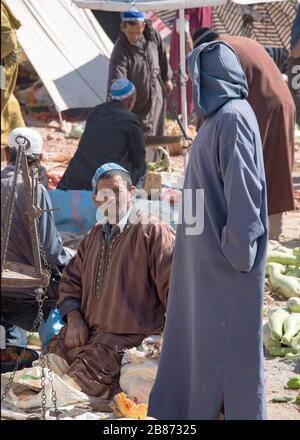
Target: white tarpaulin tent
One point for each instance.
(146, 5)
(68, 49)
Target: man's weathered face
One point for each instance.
(133, 32)
(113, 197)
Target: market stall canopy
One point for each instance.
(68, 49)
(145, 5)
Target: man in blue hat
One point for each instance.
(114, 291)
(112, 134)
(18, 305)
(139, 55)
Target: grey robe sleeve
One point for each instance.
(243, 192)
(56, 254)
(118, 66)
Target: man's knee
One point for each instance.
(58, 364)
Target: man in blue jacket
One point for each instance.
(18, 306)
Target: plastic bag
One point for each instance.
(26, 389)
(139, 369)
(50, 327)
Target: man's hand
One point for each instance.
(77, 330)
(169, 87)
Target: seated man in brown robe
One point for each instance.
(114, 291)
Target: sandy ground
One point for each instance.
(57, 152)
(277, 371)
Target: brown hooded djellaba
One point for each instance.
(273, 105)
(122, 288)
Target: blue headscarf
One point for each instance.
(217, 76)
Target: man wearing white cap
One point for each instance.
(112, 134)
(140, 56)
(18, 307)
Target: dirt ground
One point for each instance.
(278, 371)
(57, 152)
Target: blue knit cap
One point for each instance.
(121, 89)
(133, 15)
(103, 169)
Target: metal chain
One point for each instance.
(7, 226)
(11, 378)
(10, 381)
(4, 239)
(53, 392)
(44, 356)
(46, 265)
(39, 318)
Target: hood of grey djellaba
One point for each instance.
(217, 77)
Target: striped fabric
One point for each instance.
(269, 23)
(167, 17)
(158, 24)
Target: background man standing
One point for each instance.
(140, 56)
(274, 109)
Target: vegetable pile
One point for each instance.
(283, 270)
(159, 166)
(282, 331)
(294, 383)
